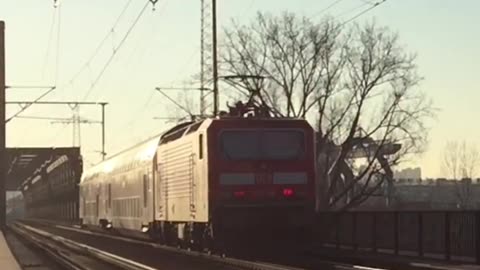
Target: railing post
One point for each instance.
(354, 231)
(447, 236)
(477, 236)
(395, 232)
(337, 229)
(420, 234)
(374, 232)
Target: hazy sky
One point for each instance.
(163, 49)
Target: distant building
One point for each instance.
(408, 173)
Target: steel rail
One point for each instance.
(62, 244)
(227, 261)
(53, 252)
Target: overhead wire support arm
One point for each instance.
(165, 118)
(28, 87)
(58, 102)
(185, 88)
(172, 119)
(82, 121)
(174, 101)
(29, 104)
(72, 104)
(42, 118)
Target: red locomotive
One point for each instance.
(204, 181)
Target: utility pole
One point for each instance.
(215, 67)
(3, 150)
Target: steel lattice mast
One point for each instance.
(208, 55)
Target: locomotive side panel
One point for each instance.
(182, 185)
(177, 180)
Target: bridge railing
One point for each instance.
(446, 235)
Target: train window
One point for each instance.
(240, 144)
(200, 146)
(283, 144)
(267, 145)
(145, 190)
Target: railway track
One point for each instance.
(63, 253)
(159, 256)
(72, 253)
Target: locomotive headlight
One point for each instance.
(109, 225)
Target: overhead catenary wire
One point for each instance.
(29, 104)
(186, 64)
(101, 44)
(49, 42)
(57, 6)
(115, 50)
(143, 46)
(374, 5)
(173, 101)
(327, 8)
(149, 99)
(364, 4)
(34, 117)
(57, 51)
(87, 64)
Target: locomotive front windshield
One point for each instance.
(263, 145)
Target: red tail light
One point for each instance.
(288, 192)
(239, 194)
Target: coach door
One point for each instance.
(161, 190)
(147, 191)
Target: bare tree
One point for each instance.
(460, 162)
(358, 83)
(286, 51)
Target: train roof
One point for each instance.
(140, 152)
(145, 150)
